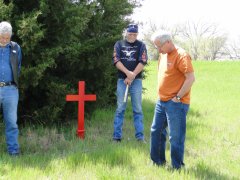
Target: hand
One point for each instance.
(174, 99)
(131, 75)
(128, 81)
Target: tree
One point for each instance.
(64, 42)
(152, 51)
(202, 40)
(232, 49)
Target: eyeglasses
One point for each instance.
(159, 47)
(132, 34)
(5, 38)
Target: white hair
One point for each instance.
(162, 36)
(5, 28)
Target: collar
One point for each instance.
(7, 45)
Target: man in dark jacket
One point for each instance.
(10, 63)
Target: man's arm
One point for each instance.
(133, 74)
(143, 57)
(190, 78)
(130, 75)
(138, 69)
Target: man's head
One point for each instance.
(162, 40)
(132, 33)
(5, 33)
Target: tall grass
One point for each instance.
(212, 143)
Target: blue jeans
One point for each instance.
(135, 91)
(9, 102)
(173, 115)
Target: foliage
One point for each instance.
(201, 40)
(64, 42)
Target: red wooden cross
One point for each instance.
(81, 98)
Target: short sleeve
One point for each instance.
(185, 64)
(143, 56)
(116, 53)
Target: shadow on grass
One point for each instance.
(202, 171)
(108, 155)
(41, 147)
(194, 123)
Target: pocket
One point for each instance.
(175, 102)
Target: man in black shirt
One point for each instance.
(129, 57)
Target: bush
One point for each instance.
(62, 43)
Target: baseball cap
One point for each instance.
(132, 28)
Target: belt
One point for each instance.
(2, 84)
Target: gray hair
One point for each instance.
(5, 28)
(162, 36)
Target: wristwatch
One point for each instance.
(178, 98)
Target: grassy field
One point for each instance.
(212, 142)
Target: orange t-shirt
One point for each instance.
(171, 70)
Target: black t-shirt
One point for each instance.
(130, 54)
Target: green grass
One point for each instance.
(212, 142)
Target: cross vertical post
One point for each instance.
(81, 98)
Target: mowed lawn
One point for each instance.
(212, 148)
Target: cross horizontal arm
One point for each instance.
(90, 97)
(73, 98)
(80, 98)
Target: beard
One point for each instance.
(3, 45)
(131, 40)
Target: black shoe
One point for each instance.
(160, 163)
(116, 140)
(14, 154)
(142, 141)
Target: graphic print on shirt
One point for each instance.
(129, 53)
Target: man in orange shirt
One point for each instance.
(175, 78)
